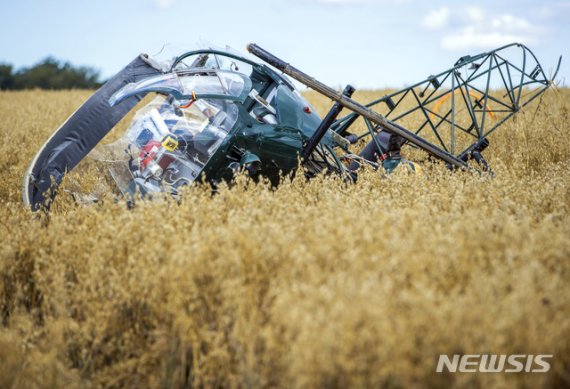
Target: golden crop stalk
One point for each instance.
(313, 284)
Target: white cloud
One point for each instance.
(164, 4)
(510, 22)
(475, 14)
(476, 28)
(469, 38)
(436, 19)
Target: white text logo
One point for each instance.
(492, 363)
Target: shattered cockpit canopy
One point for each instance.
(171, 140)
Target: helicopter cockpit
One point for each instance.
(173, 137)
(198, 101)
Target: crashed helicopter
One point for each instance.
(215, 113)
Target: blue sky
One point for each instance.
(369, 43)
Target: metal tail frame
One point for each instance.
(469, 77)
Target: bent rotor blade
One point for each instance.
(355, 106)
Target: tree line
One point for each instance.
(49, 73)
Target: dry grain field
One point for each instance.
(314, 284)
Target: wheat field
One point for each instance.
(314, 284)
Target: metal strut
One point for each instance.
(325, 124)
